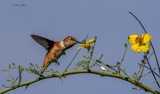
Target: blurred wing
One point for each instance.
(46, 43)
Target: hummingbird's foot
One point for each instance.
(63, 53)
(57, 63)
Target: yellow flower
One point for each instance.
(139, 43)
(87, 44)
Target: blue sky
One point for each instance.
(109, 20)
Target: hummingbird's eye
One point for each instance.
(72, 38)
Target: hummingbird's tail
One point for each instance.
(47, 61)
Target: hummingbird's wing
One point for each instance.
(46, 43)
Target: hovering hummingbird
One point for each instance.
(55, 49)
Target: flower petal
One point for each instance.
(146, 38)
(135, 47)
(144, 48)
(91, 41)
(132, 38)
(86, 45)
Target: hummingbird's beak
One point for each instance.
(80, 42)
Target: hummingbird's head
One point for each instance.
(70, 41)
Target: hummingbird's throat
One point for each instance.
(63, 45)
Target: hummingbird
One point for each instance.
(55, 49)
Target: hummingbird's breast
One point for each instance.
(57, 50)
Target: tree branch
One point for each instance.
(72, 72)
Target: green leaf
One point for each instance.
(140, 66)
(79, 63)
(47, 70)
(87, 63)
(27, 70)
(5, 70)
(84, 58)
(134, 77)
(31, 64)
(37, 72)
(8, 80)
(11, 79)
(57, 71)
(21, 68)
(30, 72)
(37, 66)
(109, 71)
(14, 65)
(52, 70)
(135, 73)
(99, 61)
(124, 70)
